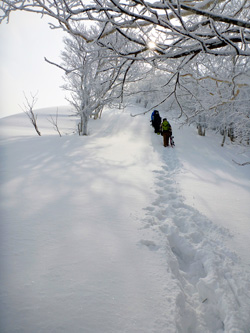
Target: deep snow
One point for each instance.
(115, 233)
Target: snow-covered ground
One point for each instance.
(114, 233)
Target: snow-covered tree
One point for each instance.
(213, 93)
(189, 41)
(94, 75)
(89, 79)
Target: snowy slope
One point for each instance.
(99, 233)
(216, 186)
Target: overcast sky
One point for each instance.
(25, 41)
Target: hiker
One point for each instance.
(166, 132)
(156, 121)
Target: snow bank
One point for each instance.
(212, 183)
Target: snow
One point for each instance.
(115, 233)
(216, 186)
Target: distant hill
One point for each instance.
(20, 125)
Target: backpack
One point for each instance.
(155, 112)
(152, 115)
(165, 126)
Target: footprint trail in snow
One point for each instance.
(212, 294)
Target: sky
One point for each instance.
(25, 41)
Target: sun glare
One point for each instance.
(151, 45)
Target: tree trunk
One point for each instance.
(83, 126)
(201, 130)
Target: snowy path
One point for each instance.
(96, 237)
(71, 241)
(212, 290)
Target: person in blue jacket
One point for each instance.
(156, 121)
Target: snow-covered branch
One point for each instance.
(227, 32)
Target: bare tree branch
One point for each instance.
(54, 122)
(241, 164)
(28, 110)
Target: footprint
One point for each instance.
(187, 257)
(150, 244)
(158, 171)
(160, 192)
(149, 208)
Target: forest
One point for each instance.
(188, 56)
